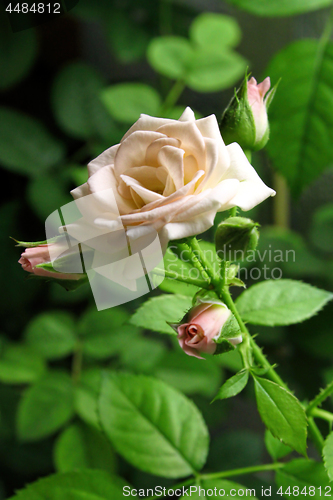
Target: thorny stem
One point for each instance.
(319, 398)
(325, 415)
(184, 279)
(184, 247)
(249, 348)
(172, 96)
(225, 474)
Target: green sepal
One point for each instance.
(237, 122)
(32, 244)
(270, 96)
(236, 282)
(230, 329)
(235, 237)
(208, 296)
(224, 346)
(175, 326)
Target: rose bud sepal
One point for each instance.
(235, 237)
(245, 119)
(229, 337)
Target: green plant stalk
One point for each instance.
(227, 473)
(172, 97)
(320, 398)
(243, 470)
(325, 415)
(195, 261)
(188, 280)
(316, 435)
(207, 266)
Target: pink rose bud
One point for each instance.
(205, 327)
(256, 97)
(245, 119)
(35, 256)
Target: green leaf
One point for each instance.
(52, 334)
(45, 407)
(25, 145)
(134, 353)
(157, 311)
(103, 333)
(322, 228)
(286, 250)
(77, 106)
(169, 55)
(215, 31)
(126, 101)
(328, 455)
(79, 485)
(189, 375)
(212, 71)
(233, 386)
(282, 414)
(17, 54)
(81, 446)
(19, 364)
(281, 302)
(153, 426)
(300, 119)
(277, 8)
(86, 395)
(275, 447)
(303, 473)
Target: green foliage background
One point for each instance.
(69, 89)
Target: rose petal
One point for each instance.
(105, 158)
(172, 159)
(155, 147)
(252, 190)
(187, 115)
(190, 139)
(144, 193)
(146, 122)
(132, 151)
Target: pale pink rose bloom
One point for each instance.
(33, 256)
(204, 323)
(172, 176)
(256, 96)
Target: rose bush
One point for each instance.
(173, 176)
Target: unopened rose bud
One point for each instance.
(235, 237)
(209, 327)
(245, 119)
(39, 255)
